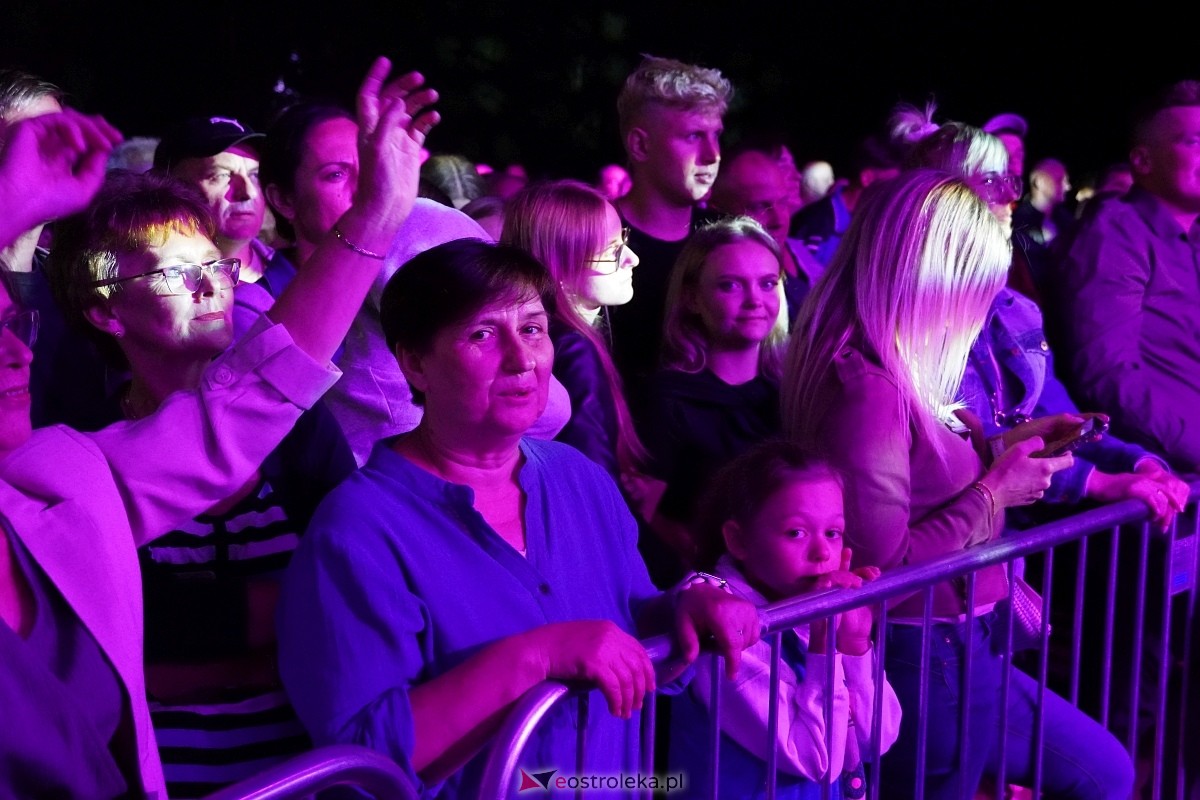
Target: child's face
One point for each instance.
(737, 297)
(794, 538)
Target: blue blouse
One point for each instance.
(400, 579)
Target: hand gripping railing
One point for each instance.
(324, 768)
(500, 770)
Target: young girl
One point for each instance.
(577, 235)
(776, 512)
(718, 391)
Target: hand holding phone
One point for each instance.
(1091, 429)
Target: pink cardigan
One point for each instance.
(83, 503)
(905, 502)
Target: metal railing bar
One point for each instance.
(325, 768)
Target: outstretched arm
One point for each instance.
(322, 300)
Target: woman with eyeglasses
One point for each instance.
(577, 235)
(74, 506)
(209, 586)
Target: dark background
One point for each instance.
(536, 82)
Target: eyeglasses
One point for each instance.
(183, 278)
(996, 188)
(617, 258)
(23, 325)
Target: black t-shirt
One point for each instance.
(637, 325)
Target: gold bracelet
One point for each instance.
(982, 488)
(362, 251)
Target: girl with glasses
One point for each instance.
(577, 235)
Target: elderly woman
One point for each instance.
(75, 505)
(310, 173)
(465, 562)
(871, 379)
(209, 585)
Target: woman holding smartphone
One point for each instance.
(871, 380)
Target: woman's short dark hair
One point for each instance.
(284, 147)
(450, 282)
(744, 485)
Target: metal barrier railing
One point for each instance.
(1178, 577)
(325, 768)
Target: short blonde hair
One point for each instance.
(667, 83)
(685, 340)
(911, 284)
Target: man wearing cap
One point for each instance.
(219, 156)
(1011, 129)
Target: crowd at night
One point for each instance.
(334, 416)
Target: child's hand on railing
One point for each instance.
(854, 626)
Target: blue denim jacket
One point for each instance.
(1013, 334)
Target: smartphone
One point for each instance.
(1092, 429)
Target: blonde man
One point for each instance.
(670, 115)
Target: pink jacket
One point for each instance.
(83, 503)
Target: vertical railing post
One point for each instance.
(1077, 619)
(773, 716)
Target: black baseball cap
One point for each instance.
(201, 137)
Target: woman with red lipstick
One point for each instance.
(718, 390)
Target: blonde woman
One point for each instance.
(871, 380)
(718, 390)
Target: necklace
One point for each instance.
(130, 409)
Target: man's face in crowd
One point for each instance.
(229, 182)
(754, 185)
(678, 152)
(1167, 163)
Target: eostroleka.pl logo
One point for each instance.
(546, 781)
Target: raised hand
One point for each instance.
(393, 120)
(599, 653)
(51, 166)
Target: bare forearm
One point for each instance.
(455, 713)
(324, 297)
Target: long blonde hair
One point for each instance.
(910, 284)
(685, 340)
